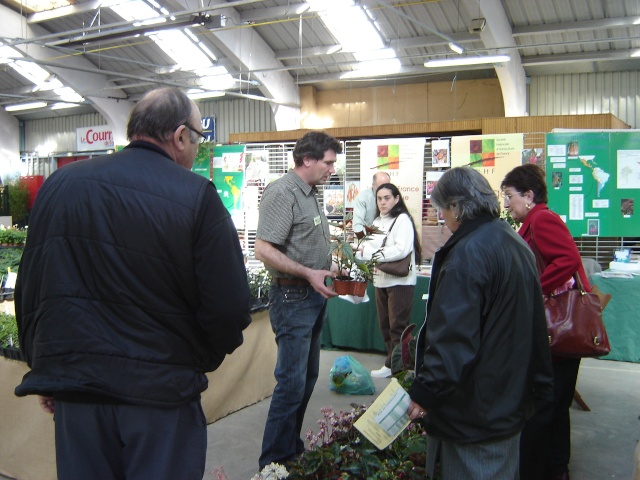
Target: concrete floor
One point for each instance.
(604, 439)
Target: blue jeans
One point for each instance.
(297, 315)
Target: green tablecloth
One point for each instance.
(355, 326)
(621, 317)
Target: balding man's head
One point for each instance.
(159, 113)
(380, 178)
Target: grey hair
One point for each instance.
(159, 113)
(467, 192)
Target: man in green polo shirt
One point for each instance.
(293, 242)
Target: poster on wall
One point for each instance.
(432, 180)
(228, 177)
(534, 156)
(440, 153)
(594, 179)
(492, 155)
(333, 201)
(257, 167)
(403, 160)
(353, 189)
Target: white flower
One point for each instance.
(273, 471)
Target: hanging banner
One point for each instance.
(228, 177)
(492, 155)
(403, 160)
(209, 128)
(94, 138)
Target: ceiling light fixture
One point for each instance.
(462, 61)
(25, 106)
(456, 48)
(62, 105)
(197, 95)
(636, 54)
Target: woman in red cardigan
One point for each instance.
(545, 444)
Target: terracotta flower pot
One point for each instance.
(358, 288)
(342, 287)
(350, 287)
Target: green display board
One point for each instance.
(593, 179)
(202, 162)
(228, 175)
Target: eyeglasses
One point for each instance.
(203, 137)
(509, 195)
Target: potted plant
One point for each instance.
(259, 282)
(354, 273)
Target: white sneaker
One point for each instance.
(384, 372)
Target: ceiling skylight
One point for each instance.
(184, 48)
(42, 79)
(350, 24)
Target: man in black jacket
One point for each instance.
(132, 285)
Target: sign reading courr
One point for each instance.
(94, 138)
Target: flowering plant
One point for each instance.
(339, 451)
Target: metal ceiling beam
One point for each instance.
(397, 44)
(563, 27)
(45, 38)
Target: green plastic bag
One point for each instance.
(348, 376)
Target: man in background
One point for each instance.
(132, 285)
(293, 242)
(364, 206)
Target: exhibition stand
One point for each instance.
(355, 326)
(27, 448)
(621, 316)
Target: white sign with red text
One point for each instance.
(94, 138)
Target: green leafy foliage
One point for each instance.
(9, 258)
(8, 330)
(18, 202)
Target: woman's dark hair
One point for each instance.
(468, 192)
(527, 177)
(397, 209)
(159, 113)
(314, 145)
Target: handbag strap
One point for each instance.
(388, 231)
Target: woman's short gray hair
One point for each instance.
(467, 192)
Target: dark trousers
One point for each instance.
(129, 442)
(545, 443)
(394, 306)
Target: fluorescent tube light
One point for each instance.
(636, 54)
(200, 95)
(461, 61)
(456, 48)
(25, 106)
(62, 105)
